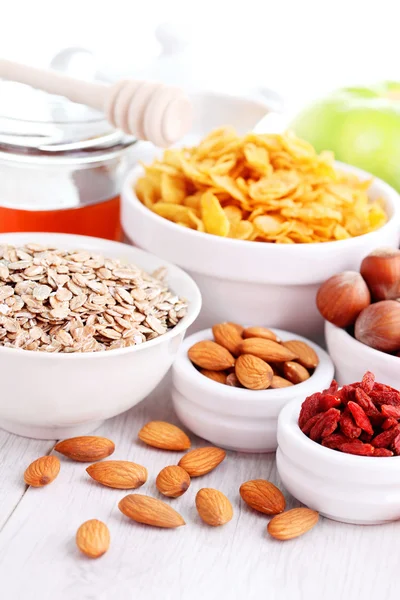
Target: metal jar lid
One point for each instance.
(35, 126)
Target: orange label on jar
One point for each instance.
(97, 220)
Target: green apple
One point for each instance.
(360, 125)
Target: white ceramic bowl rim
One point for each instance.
(85, 242)
(184, 365)
(357, 347)
(391, 196)
(290, 414)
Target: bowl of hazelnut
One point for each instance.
(362, 318)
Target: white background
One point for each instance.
(299, 47)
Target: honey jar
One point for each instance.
(61, 165)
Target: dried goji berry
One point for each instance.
(389, 410)
(333, 388)
(362, 398)
(396, 444)
(310, 423)
(382, 387)
(309, 408)
(326, 425)
(360, 449)
(376, 421)
(347, 425)
(346, 394)
(367, 382)
(329, 401)
(360, 417)
(382, 452)
(384, 439)
(337, 439)
(366, 437)
(385, 397)
(330, 420)
(388, 423)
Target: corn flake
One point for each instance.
(266, 188)
(213, 216)
(174, 212)
(173, 189)
(242, 230)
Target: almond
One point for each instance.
(118, 474)
(253, 373)
(210, 355)
(150, 511)
(233, 381)
(86, 448)
(279, 382)
(213, 507)
(267, 350)
(93, 538)
(202, 460)
(239, 328)
(218, 376)
(227, 335)
(165, 436)
(260, 332)
(42, 471)
(172, 481)
(264, 496)
(292, 523)
(276, 367)
(294, 372)
(306, 356)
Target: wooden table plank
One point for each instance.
(38, 557)
(15, 455)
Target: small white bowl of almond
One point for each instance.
(230, 382)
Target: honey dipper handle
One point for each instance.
(76, 90)
(149, 111)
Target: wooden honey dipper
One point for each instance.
(149, 111)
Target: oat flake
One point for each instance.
(58, 301)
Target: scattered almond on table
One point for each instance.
(150, 511)
(42, 471)
(93, 538)
(263, 496)
(165, 436)
(85, 448)
(213, 506)
(118, 474)
(293, 523)
(202, 460)
(173, 481)
(253, 358)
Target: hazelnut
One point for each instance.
(342, 297)
(381, 271)
(378, 326)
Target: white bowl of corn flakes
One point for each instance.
(259, 221)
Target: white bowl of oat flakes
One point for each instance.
(85, 332)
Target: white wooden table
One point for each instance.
(39, 559)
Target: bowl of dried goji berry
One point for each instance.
(331, 450)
